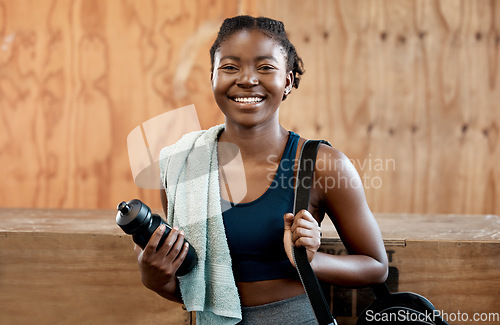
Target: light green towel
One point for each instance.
(189, 170)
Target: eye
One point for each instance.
(229, 68)
(266, 68)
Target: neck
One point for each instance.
(257, 141)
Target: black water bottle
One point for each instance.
(136, 219)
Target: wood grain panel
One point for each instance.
(408, 89)
(76, 77)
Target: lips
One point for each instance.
(247, 99)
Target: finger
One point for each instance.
(181, 256)
(175, 246)
(152, 245)
(304, 214)
(304, 219)
(303, 223)
(302, 232)
(169, 242)
(287, 234)
(307, 242)
(288, 219)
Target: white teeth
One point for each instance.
(247, 99)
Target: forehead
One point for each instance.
(250, 44)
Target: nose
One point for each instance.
(247, 78)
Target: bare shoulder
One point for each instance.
(329, 152)
(331, 161)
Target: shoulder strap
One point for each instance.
(380, 290)
(307, 277)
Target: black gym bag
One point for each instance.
(399, 308)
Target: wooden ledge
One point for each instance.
(399, 228)
(394, 227)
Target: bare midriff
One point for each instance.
(264, 292)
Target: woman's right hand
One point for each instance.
(158, 267)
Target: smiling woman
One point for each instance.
(254, 68)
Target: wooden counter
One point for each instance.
(73, 267)
(78, 267)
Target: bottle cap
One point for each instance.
(131, 215)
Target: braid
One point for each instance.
(274, 26)
(274, 29)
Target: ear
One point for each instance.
(289, 82)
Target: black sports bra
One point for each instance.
(254, 230)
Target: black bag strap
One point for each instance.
(380, 290)
(303, 184)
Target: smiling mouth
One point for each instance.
(247, 100)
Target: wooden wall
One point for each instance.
(408, 89)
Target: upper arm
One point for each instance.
(343, 199)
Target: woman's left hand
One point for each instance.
(301, 230)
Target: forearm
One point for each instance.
(171, 291)
(349, 270)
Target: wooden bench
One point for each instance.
(77, 267)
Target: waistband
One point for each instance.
(295, 310)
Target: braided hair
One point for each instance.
(273, 28)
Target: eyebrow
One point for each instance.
(259, 58)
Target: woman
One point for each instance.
(254, 68)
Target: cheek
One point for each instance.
(220, 83)
(277, 84)
(214, 80)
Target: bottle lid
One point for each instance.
(131, 215)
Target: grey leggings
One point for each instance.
(295, 310)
